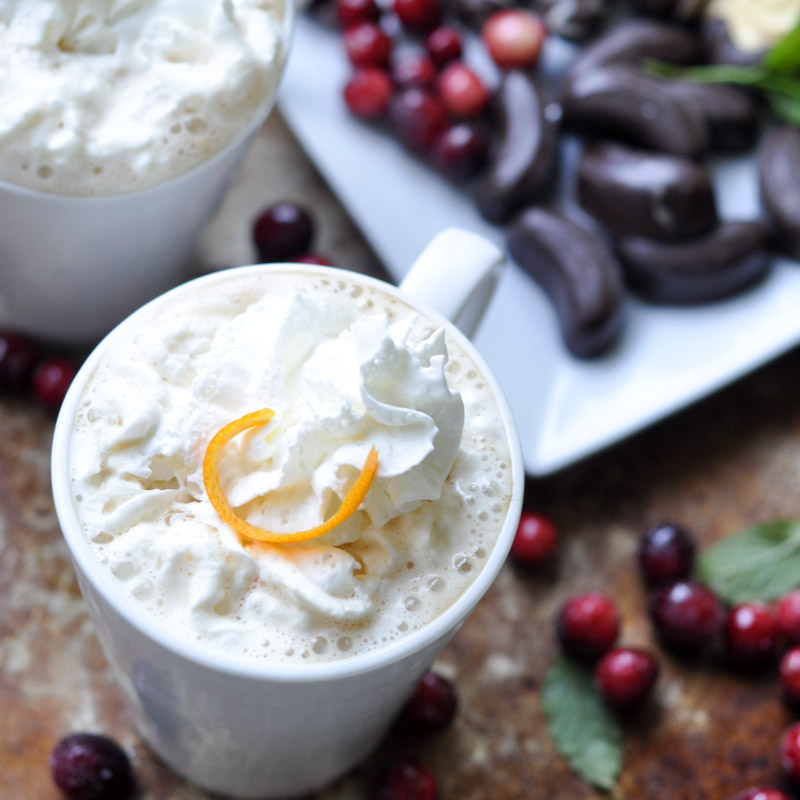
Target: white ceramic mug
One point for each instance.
(273, 730)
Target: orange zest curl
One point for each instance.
(349, 505)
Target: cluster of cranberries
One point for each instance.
(434, 102)
(26, 369)
(284, 232)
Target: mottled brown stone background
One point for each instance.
(731, 461)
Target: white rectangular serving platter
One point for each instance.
(565, 409)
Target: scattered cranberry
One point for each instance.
(790, 674)
(790, 752)
(409, 779)
(535, 540)
(461, 151)
(433, 704)
(351, 12)
(18, 356)
(751, 636)
(788, 610)
(418, 118)
(626, 676)
(88, 766)
(313, 258)
(367, 45)
(687, 615)
(666, 555)
(51, 380)
(444, 44)
(413, 72)
(282, 232)
(514, 38)
(463, 92)
(368, 92)
(761, 793)
(418, 15)
(588, 625)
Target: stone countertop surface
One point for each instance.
(728, 462)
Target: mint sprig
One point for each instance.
(585, 732)
(761, 563)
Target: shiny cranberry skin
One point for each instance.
(368, 92)
(18, 356)
(790, 674)
(418, 118)
(788, 610)
(463, 92)
(444, 44)
(751, 636)
(790, 752)
(418, 15)
(409, 779)
(588, 625)
(514, 38)
(762, 793)
(313, 258)
(351, 12)
(282, 232)
(413, 72)
(51, 380)
(687, 615)
(536, 539)
(666, 554)
(88, 766)
(367, 45)
(626, 676)
(461, 151)
(432, 705)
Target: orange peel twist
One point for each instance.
(349, 506)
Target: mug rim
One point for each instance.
(218, 660)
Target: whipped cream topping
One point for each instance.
(756, 25)
(111, 96)
(344, 368)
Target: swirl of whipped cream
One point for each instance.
(756, 26)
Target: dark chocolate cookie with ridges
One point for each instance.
(779, 181)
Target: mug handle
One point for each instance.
(456, 275)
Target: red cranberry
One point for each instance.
(761, 793)
(282, 232)
(626, 676)
(418, 118)
(463, 92)
(368, 92)
(790, 752)
(88, 766)
(51, 380)
(666, 554)
(444, 44)
(18, 356)
(687, 615)
(788, 610)
(313, 258)
(790, 674)
(412, 71)
(433, 704)
(535, 540)
(588, 625)
(351, 12)
(409, 779)
(367, 45)
(418, 15)
(751, 636)
(514, 38)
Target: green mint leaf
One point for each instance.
(785, 55)
(722, 73)
(761, 563)
(785, 108)
(585, 732)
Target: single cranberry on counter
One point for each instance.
(751, 636)
(433, 704)
(413, 72)
(282, 232)
(368, 92)
(18, 357)
(790, 752)
(351, 12)
(367, 45)
(88, 766)
(444, 44)
(409, 779)
(626, 676)
(788, 610)
(536, 539)
(418, 15)
(762, 793)
(514, 38)
(313, 258)
(666, 554)
(687, 616)
(588, 625)
(790, 674)
(51, 380)
(417, 117)
(463, 92)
